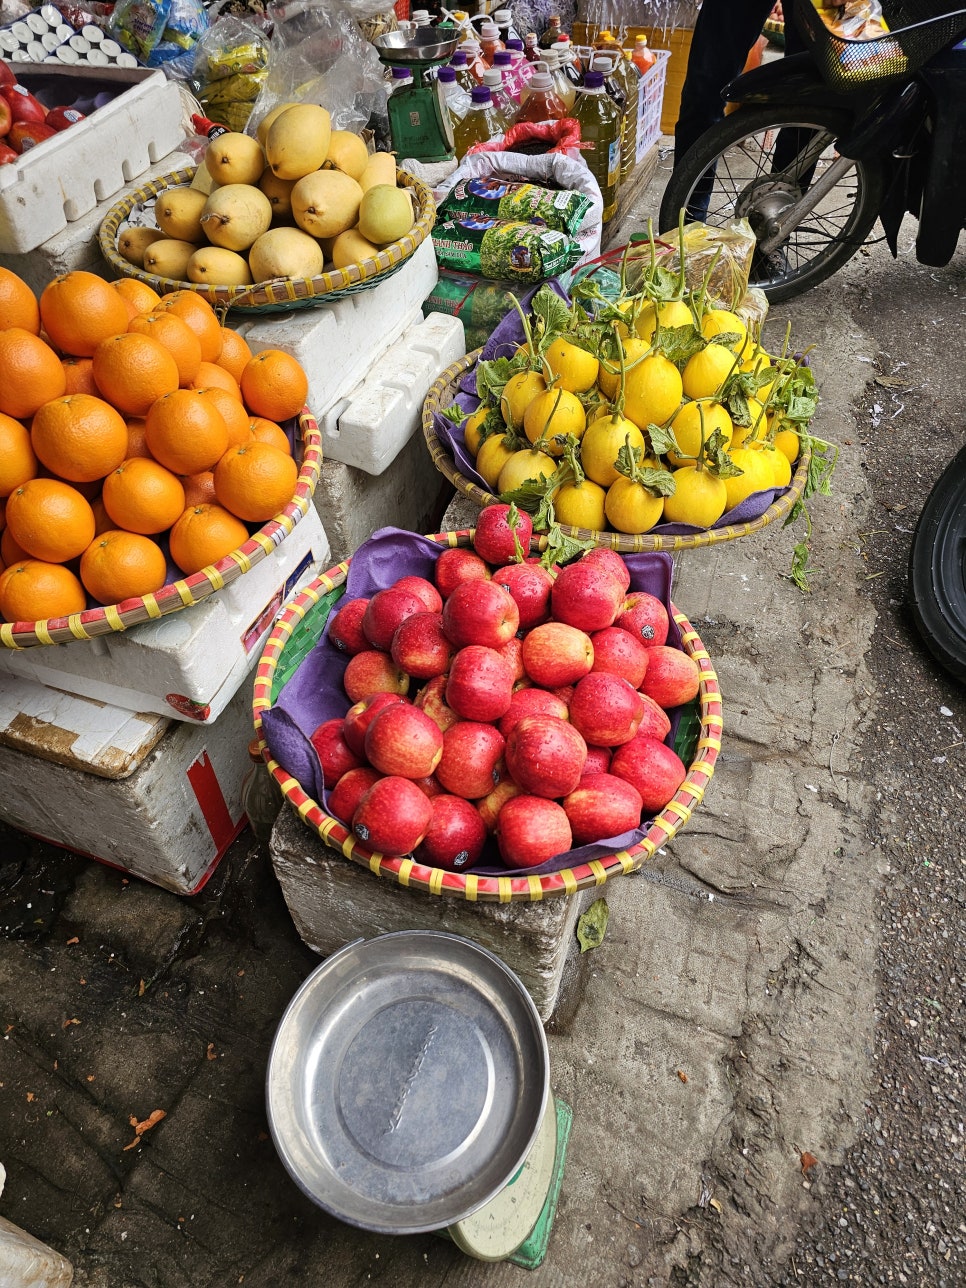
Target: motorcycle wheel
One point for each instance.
(735, 158)
(937, 570)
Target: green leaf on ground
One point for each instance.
(592, 926)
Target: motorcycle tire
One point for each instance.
(821, 244)
(937, 570)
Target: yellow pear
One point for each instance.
(202, 182)
(264, 125)
(297, 141)
(380, 168)
(285, 252)
(169, 258)
(133, 242)
(326, 202)
(351, 247)
(235, 215)
(348, 153)
(178, 212)
(218, 267)
(279, 193)
(234, 158)
(385, 214)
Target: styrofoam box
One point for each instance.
(187, 665)
(66, 176)
(159, 798)
(337, 343)
(370, 426)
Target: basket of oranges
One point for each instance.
(147, 457)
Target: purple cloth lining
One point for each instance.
(315, 693)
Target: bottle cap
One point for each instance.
(493, 77)
(515, 43)
(503, 58)
(503, 17)
(420, 15)
(481, 94)
(592, 80)
(458, 59)
(470, 48)
(447, 75)
(541, 78)
(489, 31)
(401, 73)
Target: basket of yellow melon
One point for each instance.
(296, 216)
(640, 424)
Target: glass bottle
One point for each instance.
(456, 98)
(552, 31)
(479, 125)
(261, 796)
(540, 101)
(531, 47)
(600, 126)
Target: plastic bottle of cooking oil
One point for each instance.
(600, 125)
(464, 76)
(628, 78)
(540, 101)
(456, 98)
(504, 106)
(563, 86)
(480, 123)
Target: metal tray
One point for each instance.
(407, 1081)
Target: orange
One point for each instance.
(31, 591)
(186, 432)
(176, 336)
(102, 520)
(31, 373)
(236, 417)
(136, 441)
(122, 565)
(79, 437)
(142, 496)
(274, 385)
(255, 481)
(235, 353)
(139, 297)
(17, 460)
(79, 310)
(199, 489)
(211, 376)
(10, 552)
(132, 371)
(200, 316)
(266, 431)
(79, 373)
(18, 304)
(203, 535)
(50, 520)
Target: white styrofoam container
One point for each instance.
(370, 426)
(66, 176)
(187, 665)
(338, 343)
(158, 798)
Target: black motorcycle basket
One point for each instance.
(916, 34)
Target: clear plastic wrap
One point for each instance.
(230, 67)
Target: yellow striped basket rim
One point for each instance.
(469, 885)
(186, 591)
(441, 395)
(284, 293)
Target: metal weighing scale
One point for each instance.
(419, 120)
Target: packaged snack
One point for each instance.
(496, 248)
(519, 202)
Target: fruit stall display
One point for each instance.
(147, 457)
(465, 717)
(298, 213)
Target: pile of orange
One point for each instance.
(130, 422)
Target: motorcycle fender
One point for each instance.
(793, 81)
(943, 211)
(888, 128)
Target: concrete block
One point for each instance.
(25, 1262)
(333, 901)
(370, 426)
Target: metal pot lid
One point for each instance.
(407, 1081)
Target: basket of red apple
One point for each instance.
(461, 715)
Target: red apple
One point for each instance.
(424, 590)
(480, 683)
(23, 105)
(429, 785)
(605, 709)
(384, 613)
(531, 702)
(457, 564)
(6, 74)
(480, 612)
(620, 653)
(431, 698)
(373, 672)
(6, 116)
(360, 716)
(345, 796)
(404, 741)
(530, 585)
(24, 135)
(672, 677)
(655, 722)
(555, 654)
(654, 769)
(421, 647)
(612, 561)
(597, 762)
(587, 595)
(7, 155)
(644, 616)
(512, 654)
(61, 118)
(472, 752)
(393, 816)
(565, 692)
(335, 755)
(530, 830)
(345, 629)
(502, 534)
(455, 837)
(489, 806)
(545, 755)
(602, 806)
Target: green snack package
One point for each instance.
(521, 202)
(495, 248)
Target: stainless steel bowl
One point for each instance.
(407, 1081)
(422, 45)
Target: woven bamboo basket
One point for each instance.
(282, 295)
(296, 633)
(186, 591)
(442, 394)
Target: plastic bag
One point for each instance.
(229, 70)
(726, 252)
(537, 138)
(139, 24)
(854, 20)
